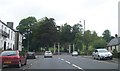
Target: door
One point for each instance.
(4, 45)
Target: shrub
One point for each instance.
(115, 53)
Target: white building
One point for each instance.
(18, 41)
(114, 44)
(8, 37)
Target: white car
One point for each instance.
(74, 53)
(48, 54)
(102, 54)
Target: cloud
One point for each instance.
(99, 14)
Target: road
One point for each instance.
(67, 62)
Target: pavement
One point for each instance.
(114, 60)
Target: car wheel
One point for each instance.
(19, 65)
(99, 58)
(111, 58)
(93, 57)
(44, 56)
(34, 57)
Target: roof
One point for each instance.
(7, 25)
(114, 41)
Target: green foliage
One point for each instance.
(115, 53)
(107, 35)
(66, 34)
(25, 28)
(100, 43)
(44, 33)
(79, 40)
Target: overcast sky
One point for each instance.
(99, 15)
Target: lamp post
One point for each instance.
(84, 31)
(84, 24)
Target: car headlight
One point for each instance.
(109, 54)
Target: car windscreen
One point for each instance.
(30, 52)
(102, 51)
(9, 53)
(47, 52)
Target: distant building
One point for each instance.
(8, 37)
(18, 41)
(114, 44)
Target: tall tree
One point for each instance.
(79, 41)
(106, 35)
(76, 29)
(45, 32)
(66, 33)
(87, 40)
(24, 28)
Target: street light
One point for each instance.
(84, 30)
(84, 24)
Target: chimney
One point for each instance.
(10, 24)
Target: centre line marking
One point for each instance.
(76, 66)
(68, 62)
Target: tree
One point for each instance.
(45, 33)
(87, 40)
(76, 29)
(106, 35)
(66, 33)
(99, 43)
(79, 40)
(24, 28)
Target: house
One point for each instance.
(114, 44)
(8, 37)
(18, 41)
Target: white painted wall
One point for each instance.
(113, 47)
(20, 42)
(9, 41)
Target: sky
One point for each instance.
(99, 15)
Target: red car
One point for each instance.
(12, 57)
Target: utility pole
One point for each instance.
(73, 47)
(84, 32)
(58, 48)
(54, 48)
(69, 48)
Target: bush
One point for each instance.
(115, 53)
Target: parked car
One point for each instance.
(12, 57)
(48, 54)
(31, 55)
(74, 53)
(102, 54)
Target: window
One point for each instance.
(8, 45)
(5, 29)
(9, 34)
(2, 27)
(8, 53)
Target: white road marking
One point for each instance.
(62, 59)
(31, 64)
(71, 64)
(76, 66)
(68, 62)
